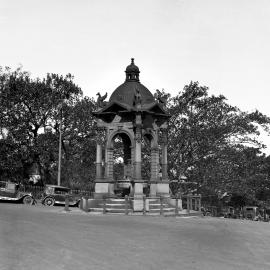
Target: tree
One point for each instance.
(212, 137)
(31, 110)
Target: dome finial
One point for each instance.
(132, 72)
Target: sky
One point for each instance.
(223, 44)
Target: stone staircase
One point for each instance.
(112, 205)
(155, 206)
(118, 205)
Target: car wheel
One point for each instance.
(49, 202)
(28, 200)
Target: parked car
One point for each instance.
(10, 192)
(56, 195)
(252, 212)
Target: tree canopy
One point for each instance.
(212, 145)
(30, 114)
(218, 147)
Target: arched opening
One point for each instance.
(122, 164)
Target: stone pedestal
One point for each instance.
(162, 189)
(153, 190)
(137, 204)
(138, 197)
(104, 189)
(138, 189)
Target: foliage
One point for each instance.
(218, 149)
(31, 113)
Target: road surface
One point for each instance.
(41, 238)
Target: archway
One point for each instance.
(122, 163)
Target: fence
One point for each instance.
(144, 205)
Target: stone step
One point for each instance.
(164, 209)
(158, 206)
(115, 206)
(96, 209)
(153, 200)
(115, 200)
(154, 212)
(119, 210)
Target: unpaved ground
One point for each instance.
(48, 238)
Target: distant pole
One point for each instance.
(60, 150)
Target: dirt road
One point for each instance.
(48, 238)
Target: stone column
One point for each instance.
(110, 164)
(132, 162)
(99, 140)
(164, 155)
(138, 148)
(106, 164)
(154, 167)
(154, 163)
(138, 183)
(98, 161)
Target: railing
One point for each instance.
(192, 202)
(158, 205)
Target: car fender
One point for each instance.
(28, 194)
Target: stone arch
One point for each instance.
(127, 137)
(111, 136)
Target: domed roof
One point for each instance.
(130, 98)
(125, 92)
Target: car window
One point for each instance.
(2, 184)
(11, 186)
(49, 190)
(61, 191)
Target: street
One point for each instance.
(38, 237)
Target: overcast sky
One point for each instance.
(223, 44)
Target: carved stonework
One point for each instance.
(137, 98)
(101, 100)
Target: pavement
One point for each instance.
(38, 237)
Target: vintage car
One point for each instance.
(252, 212)
(56, 195)
(10, 192)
